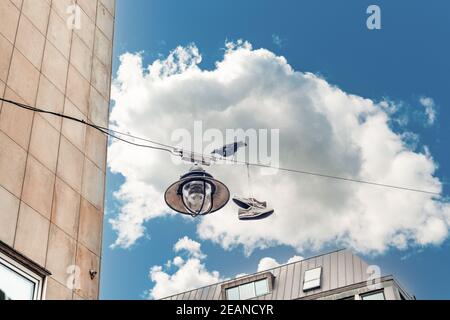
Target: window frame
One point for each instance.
(372, 293)
(311, 280)
(248, 290)
(266, 280)
(233, 288)
(238, 287)
(26, 268)
(25, 273)
(266, 275)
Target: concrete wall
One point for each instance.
(52, 171)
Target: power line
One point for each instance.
(179, 152)
(104, 130)
(321, 175)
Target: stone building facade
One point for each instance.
(56, 55)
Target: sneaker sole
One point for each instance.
(259, 217)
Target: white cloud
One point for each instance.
(430, 109)
(189, 276)
(191, 246)
(295, 259)
(322, 129)
(140, 202)
(268, 263)
(191, 273)
(178, 261)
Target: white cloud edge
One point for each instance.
(430, 109)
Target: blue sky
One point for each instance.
(405, 60)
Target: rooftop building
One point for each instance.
(339, 275)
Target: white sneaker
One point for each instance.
(252, 209)
(246, 203)
(253, 213)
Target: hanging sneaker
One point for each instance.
(246, 203)
(252, 209)
(253, 213)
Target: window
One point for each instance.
(17, 282)
(379, 295)
(312, 279)
(249, 290)
(233, 293)
(261, 287)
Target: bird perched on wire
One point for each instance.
(229, 149)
